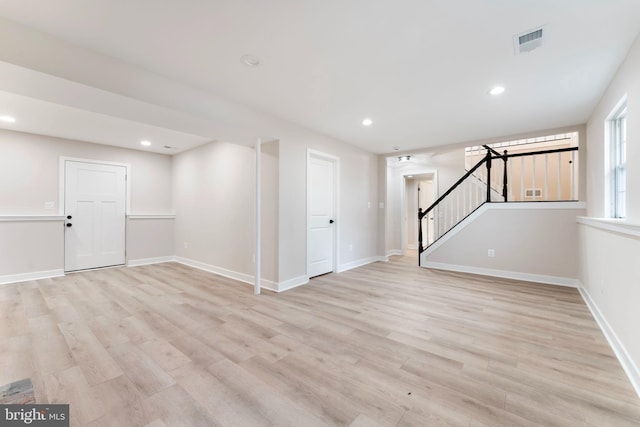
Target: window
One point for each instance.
(618, 155)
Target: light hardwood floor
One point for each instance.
(387, 344)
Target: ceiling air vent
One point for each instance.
(168, 147)
(526, 42)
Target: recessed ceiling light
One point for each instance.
(367, 122)
(250, 60)
(145, 143)
(7, 119)
(409, 176)
(496, 90)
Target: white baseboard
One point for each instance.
(242, 277)
(36, 275)
(392, 252)
(266, 284)
(360, 262)
(629, 366)
(147, 261)
(292, 283)
(516, 275)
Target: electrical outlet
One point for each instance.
(369, 205)
(186, 245)
(350, 248)
(381, 205)
(491, 253)
(49, 205)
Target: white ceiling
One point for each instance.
(420, 69)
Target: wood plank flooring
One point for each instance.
(388, 344)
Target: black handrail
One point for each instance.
(534, 153)
(492, 150)
(453, 187)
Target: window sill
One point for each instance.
(609, 224)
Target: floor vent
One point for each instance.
(526, 42)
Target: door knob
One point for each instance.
(68, 216)
(69, 224)
(330, 221)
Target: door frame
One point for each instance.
(336, 205)
(404, 229)
(62, 188)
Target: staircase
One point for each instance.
(496, 179)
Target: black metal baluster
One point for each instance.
(504, 177)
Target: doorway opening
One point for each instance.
(419, 193)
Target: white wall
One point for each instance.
(29, 177)
(358, 214)
(149, 239)
(214, 202)
(610, 271)
(30, 247)
(214, 187)
(533, 241)
(448, 167)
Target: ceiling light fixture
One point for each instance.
(250, 60)
(7, 119)
(145, 143)
(396, 148)
(496, 90)
(409, 176)
(367, 122)
(404, 158)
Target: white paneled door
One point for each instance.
(321, 207)
(95, 209)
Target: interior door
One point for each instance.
(95, 208)
(321, 234)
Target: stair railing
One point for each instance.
(464, 197)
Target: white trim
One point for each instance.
(147, 261)
(412, 247)
(61, 181)
(292, 283)
(360, 262)
(394, 252)
(629, 366)
(258, 249)
(230, 274)
(242, 277)
(27, 218)
(36, 275)
(610, 224)
(336, 204)
(537, 205)
(515, 275)
(269, 285)
(151, 216)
